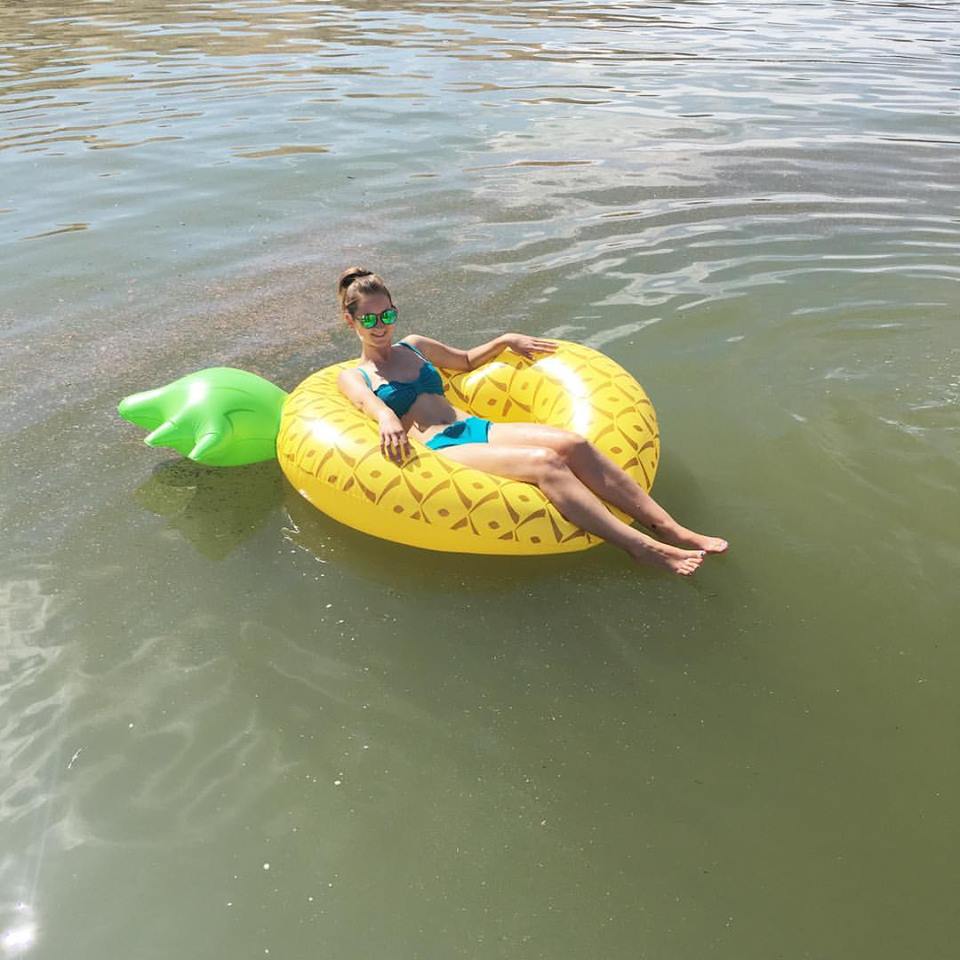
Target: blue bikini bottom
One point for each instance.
(471, 430)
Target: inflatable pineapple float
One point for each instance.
(330, 451)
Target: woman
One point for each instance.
(398, 385)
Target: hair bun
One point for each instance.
(351, 274)
(357, 282)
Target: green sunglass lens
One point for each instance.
(369, 320)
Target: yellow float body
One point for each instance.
(330, 452)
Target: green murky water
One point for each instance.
(231, 728)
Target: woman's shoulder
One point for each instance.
(410, 342)
(354, 372)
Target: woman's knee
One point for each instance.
(572, 446)
(546, 463)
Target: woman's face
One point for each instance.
(379, 335)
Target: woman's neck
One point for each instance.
(378, 356)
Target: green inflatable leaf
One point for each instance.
(221, 417)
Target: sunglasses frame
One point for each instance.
(378, 318)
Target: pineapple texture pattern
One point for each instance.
(330, 452)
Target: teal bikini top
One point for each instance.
(399, 395)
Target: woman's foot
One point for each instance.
(682, 537)
(682, 562)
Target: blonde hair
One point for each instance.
(357, 282)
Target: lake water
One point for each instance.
(232, 728)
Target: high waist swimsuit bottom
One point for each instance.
(471, 430)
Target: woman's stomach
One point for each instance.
(429, 414)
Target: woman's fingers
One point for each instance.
(526, 346)
(536, 345)
(395, 446)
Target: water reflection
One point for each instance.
(21, 933)
(215, 509)
(390, 564)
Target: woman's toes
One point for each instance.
(709, 544)
(689, 565)
(682, 537)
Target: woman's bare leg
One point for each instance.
(548, 471)
(605, 479)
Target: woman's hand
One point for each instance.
(527, 346)
(393, 438)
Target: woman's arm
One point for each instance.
(450, 358)
(393, 438)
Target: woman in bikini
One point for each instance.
(397, 384)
